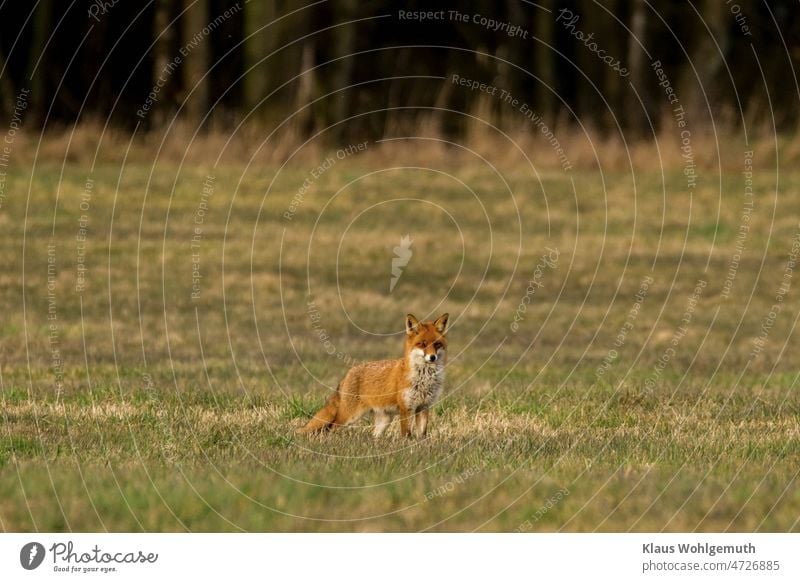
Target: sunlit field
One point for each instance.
(621, 346)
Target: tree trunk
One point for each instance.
(195, 60)
(343, 68)
(164, 35)
(7, 91)
(544, 55)
(37, 61)
(614, 84)
(590, 79)
(638, 114)
(305, 90)
(259, 42)
(709, 63)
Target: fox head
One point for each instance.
(426, 341)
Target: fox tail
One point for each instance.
(324, 417)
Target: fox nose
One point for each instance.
(431, 357)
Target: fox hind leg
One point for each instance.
(349, 411)
(382, 420)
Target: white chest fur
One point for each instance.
(425, 385)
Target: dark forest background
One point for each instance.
(84, 61)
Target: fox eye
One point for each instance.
(422, 344)
(438, 345)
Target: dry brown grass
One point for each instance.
(586, 149)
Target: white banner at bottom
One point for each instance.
(401, 557)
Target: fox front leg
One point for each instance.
(405, 422)
(422, 422)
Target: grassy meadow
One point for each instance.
(621, 348)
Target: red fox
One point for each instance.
(409, 386)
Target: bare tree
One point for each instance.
(305, 89)
(343, 68)
(613, 83)
(637, 114)
(708, 56)
(591, 77)
(7, 90)
(164, 34)
(544, 56)
(37, 60)
(261, 33)
(195, 59)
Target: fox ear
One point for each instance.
(412, 324)
(441, 323)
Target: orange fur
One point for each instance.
(407, 387)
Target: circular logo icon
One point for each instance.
(31, 555)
